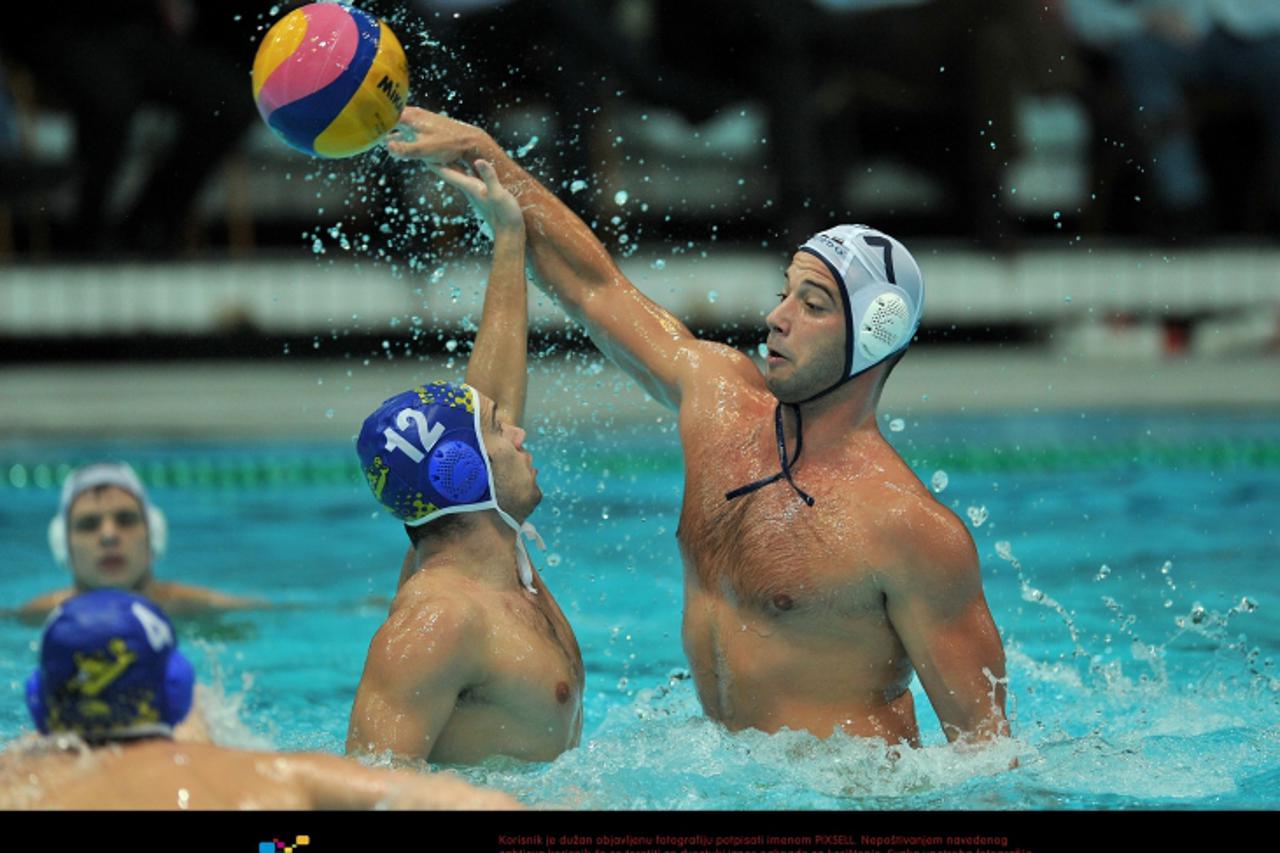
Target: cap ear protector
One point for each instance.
(881, 324)
(157, 535)
(457, 471)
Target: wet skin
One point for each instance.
(788, 620)
(469, 663)
(795, 616)
(161, 774)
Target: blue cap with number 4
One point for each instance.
(423, 455)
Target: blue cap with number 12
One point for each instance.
(423, 455)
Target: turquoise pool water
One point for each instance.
(1130, 563)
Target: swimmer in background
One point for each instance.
(475, 658)
(109, 535)
(110, 688)
(815, 583)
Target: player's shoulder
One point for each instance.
(717, 364)
(929, 536)
(431, 633)
(182, 599)
(721, 378)
(42, 605)
(435, 610)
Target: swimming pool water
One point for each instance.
(1129, 561)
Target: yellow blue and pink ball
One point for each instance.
(330, 79)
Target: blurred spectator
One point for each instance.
(502, 53)
(932, 81)
(8, 119)
(104, 62)
(1162, 50)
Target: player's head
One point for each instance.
(853, 300)
(441, 449)
(106, 531)
(109, 669)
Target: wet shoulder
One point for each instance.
(431, 615)
(35, 610)
(726, 383)
(929, 537)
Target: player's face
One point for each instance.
(806, 332)
(107, 540)
(514, 477)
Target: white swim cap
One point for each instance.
(94, 476)
(882, 288)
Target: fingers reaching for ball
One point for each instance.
(488, 197)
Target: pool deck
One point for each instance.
(319, 400)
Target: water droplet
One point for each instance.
(1247, 605)
(1004, 550)
(620, 197)
(977, 514)
(712, 296)
(659, 264)
(577, 186)
(527, 147)
(762, 350)
(604, 513)
(328, 413)
(939, 479)
(1103, 572)
(553, 559)
(897, 425)
(451, 345)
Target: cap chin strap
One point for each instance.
(785, 473)
(526, 530)
(780, 434)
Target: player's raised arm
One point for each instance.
(498, 362)
(570, 262)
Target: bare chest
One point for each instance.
(533, 655)
(770, 551)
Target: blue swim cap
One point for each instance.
(423, 455)
(109, 670)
